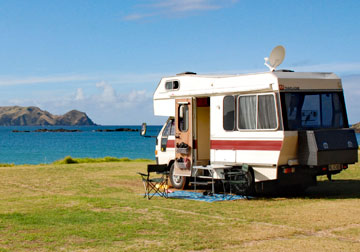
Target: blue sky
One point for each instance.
(106, 57)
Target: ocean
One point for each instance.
(47, 147)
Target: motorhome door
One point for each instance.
(183, 137)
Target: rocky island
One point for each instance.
(34, 116)
(356, 127)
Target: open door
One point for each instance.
(183, 137)
(202, 136)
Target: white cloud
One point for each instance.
(128, 78)
(104, 107)
(11, 81)
(137, 95)
(108, 94)
(111, 107)
(343, 68)
(170, 7)
(186, 5)
(79, 94)
(106, 97)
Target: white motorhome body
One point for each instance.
(267, 121)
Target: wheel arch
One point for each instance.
(170, 164)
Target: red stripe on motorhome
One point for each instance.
(245, 145)
(170, 144)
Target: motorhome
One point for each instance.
(285, 127)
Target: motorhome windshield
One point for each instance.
(313, 110)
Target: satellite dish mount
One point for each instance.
(277, 56)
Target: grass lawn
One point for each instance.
(99, 207)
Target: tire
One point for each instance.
(178, 182)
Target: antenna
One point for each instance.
(277, 56)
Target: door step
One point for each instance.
(210, 167)
(201, 182)
(204, 177)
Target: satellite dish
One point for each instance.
(277, 56)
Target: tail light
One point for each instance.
(289, 170)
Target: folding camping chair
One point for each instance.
(236, 180)
(157, 185)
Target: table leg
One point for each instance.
(213, 186)
(195, 172)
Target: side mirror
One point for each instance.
(143, 129)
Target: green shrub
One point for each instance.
(111, 159)
(7, 165)
(70, 160)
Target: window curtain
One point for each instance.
(247, 112)
(267, 114)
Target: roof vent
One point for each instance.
(284, 71)
(186, 73)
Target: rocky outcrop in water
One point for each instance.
(118, 129)
(34, 116)
(356, 127)
(75, 130)
(47, 130)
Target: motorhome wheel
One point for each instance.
(178, 182)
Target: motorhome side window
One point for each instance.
(313, 110)
(247, 112)
(171, 85)
(257, 112)
(183, 115)
(229, 113)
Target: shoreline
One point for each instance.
(75, 130)
(73, 160)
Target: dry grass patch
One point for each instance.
(300, 243)
(99, 207)
(351, 232)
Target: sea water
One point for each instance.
(47, 147)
